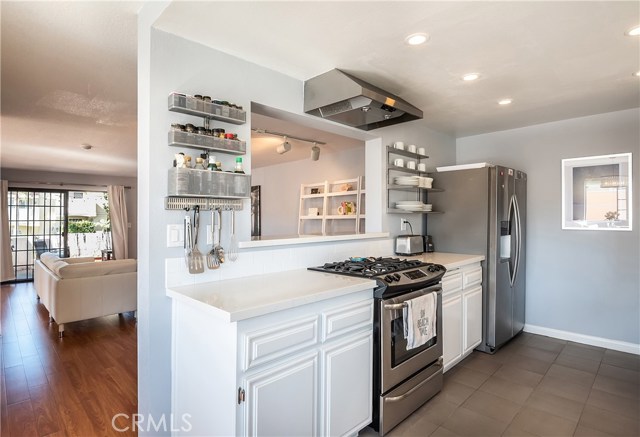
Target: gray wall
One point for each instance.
(441, 149)
(584, 282)
(76, 180)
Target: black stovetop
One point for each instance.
(392, 274)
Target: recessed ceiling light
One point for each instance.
(505, 102)
(415, 39)
(470, 76)
(637, 74)
(633, 32)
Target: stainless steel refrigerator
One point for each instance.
(485, 213)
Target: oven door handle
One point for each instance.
(413, 389)
(399, 306)
(395, 306)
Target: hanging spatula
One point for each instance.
(196, 261)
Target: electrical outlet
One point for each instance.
(403, 224)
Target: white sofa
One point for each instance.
(74, 289)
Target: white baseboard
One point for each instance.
(621, 346)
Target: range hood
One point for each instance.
(340, 97)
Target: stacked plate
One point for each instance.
(414, 205)
(411, 181)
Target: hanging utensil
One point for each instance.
(196, 263)
(219, 250)
(188, 242)
(212, 256)
(232, 253)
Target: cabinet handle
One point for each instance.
(240, 395)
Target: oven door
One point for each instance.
(398, 363)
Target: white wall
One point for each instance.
(583, 282)
(91, 182)
(280, 185)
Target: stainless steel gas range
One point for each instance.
(403, 379)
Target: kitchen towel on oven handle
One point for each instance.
(419, 319)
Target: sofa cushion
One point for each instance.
(49, 259)
(53, 262)
(82, 270)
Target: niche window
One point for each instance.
(596, 192)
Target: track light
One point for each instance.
(284, 147)
(315, 152)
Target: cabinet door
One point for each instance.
(281, 400)
(451, 330)
(472, 317)
(347, 380)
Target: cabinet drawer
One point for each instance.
(350, 318)
(451, 282)
(264, 345)
(471, 276)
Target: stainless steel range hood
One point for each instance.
(340, 97)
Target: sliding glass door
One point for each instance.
(37, 223)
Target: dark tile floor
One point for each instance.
(534, 386)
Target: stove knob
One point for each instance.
(433, 269)
(396, 277)
(388, 279)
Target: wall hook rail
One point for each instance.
(175, 203)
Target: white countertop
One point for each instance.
(252, 296)
(449, 260)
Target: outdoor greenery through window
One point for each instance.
(68, 223)
(89, 225)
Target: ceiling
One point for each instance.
(556, 60)
(69, 76)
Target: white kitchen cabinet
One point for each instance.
(281, 400)
(461, 312)
(452, 329)
(472, 315)
(303, 371)
(347, 405)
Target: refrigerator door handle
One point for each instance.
(513, 225)
(518, 238)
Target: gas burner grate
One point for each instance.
(370, 266)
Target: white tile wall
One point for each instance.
(279, 259)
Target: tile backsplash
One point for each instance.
(278, 259)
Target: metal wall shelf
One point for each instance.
(192, 106)
(206, 142)
(205, 203)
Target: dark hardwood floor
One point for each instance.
(71, 386)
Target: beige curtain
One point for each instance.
(7, 272)
(118, 215)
